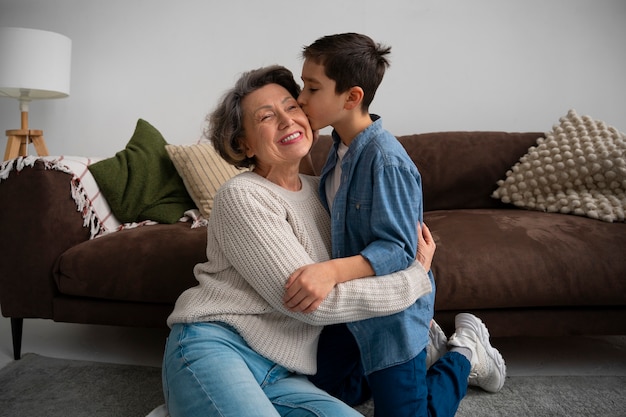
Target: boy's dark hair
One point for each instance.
(351, 59)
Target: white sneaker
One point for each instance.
(437, 344)
(488, 369)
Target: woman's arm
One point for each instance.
(253, 232)
(309, 285)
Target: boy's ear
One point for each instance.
(354, 98)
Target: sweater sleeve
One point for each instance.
(262, 241)
(372, 296)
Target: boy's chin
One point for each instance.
(314, 126)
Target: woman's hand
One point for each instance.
(425, 246)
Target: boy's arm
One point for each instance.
(396, 210)
(309, 285)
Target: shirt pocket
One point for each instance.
(359, 212)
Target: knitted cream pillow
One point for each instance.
(579, 168)
(203, 172)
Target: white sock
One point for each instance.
(467, 352)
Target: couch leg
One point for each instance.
(17, 325)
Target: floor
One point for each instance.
(524, 356)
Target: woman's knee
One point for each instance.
(205, 373)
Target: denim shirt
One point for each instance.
(375, 213)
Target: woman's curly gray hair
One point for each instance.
(225, 123)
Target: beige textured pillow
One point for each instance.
(579, 168)
(203, 171)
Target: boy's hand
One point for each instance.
(307, 287)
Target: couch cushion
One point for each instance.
(140, 182)
(499, 258)
(579, 168)
(458, 169)
(203, 172)
(146, 264)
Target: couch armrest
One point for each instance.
(39, 220)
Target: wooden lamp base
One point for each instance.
(18, 140)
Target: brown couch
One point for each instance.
(523, 272)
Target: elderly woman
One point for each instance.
(235, 348)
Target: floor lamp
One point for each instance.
(34, 64)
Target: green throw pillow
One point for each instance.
(141, 182)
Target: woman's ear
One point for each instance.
(243, 145)
(354, 98)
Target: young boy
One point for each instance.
(372, 190)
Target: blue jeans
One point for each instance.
(404, 390)
(209, 370)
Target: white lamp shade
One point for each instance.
(34, 64)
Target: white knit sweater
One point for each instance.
(258, 234)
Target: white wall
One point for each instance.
(456, 64)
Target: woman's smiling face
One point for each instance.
(276, 130)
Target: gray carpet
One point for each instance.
(41, 386)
